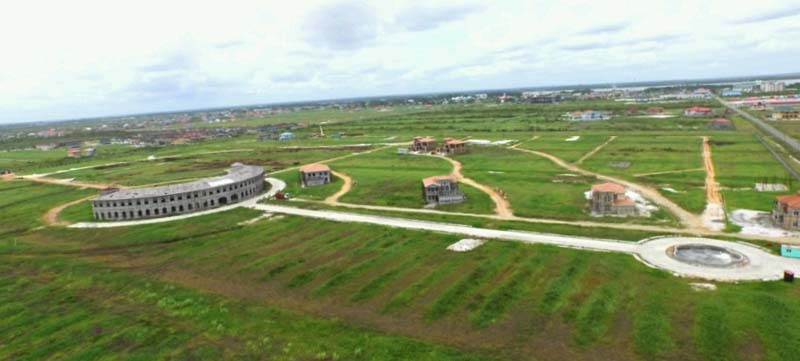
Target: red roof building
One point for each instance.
(698, 111)
(609, 199)
(786, 213)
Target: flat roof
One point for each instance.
(316, 167)
(236, 173)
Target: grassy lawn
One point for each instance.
(193, 167)
(385, 178)
(741, 161)
(536, 187)
(570, 151)
(210, 290)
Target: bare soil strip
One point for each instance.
(714, 214)
(348, 184)
(596, 149)
(669, 172)
(51, 217)
(712, 188)
(501, 206)
(692, 221)
(66, 182)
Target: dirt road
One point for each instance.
(689, 220)
(596, 149)
(501, 205)
(714, 214)
(51, 217)
(67, 182)
(348, 184)
(669, 172)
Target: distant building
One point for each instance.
(786, 213)
(74, 152)
(787, 115)
(286, 136)
(442, 190)
(423, 144)
(770, 87)
(731, 93)
(453, 146)
(588, 115)
(698, 111)
(720, 124)
(49, 146)
(610, 199)
(315, 174)
(655, 110)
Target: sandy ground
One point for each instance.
(691, 221)
(70, 182)
(348, 184)
(669, 172)
(573, 138)
(643, 207)
(758, 223)
(501, 205)
(466, 244)
(596, 149)
(714, 214)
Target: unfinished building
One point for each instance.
(423, 144)
(315, 175)
(442, 190)
(609, 199)
(786, 213)
(453, 146)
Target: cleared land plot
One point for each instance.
(535, 186)
(385, 178)
(503, 299)
(189, 168)
(638, 154)
(570, 151)
(741, 161)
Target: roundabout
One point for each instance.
(714, 259)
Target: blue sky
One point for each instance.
(92, 58)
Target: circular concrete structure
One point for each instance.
(714, 259)
(241, 182)
(706, 255)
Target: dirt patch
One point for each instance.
(346, 186)
(51, 217)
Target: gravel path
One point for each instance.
(348, 184)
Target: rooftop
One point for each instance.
(237, 172)
(436, 179)
(608, 187)
(424, 139)
(316, 167)
(791, 200)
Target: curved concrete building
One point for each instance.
(241, 182)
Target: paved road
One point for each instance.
(762, 265)
(653, 252)
(791, 142)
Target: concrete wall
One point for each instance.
(178, 203)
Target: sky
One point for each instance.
(76, 59)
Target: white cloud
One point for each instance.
(91, 57)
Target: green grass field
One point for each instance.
(200, 289)
(291, 288)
